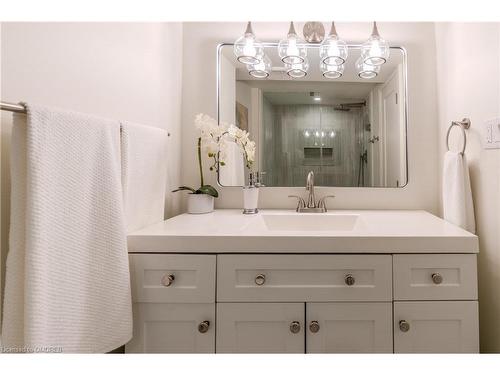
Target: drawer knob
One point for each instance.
(437, 278)
(167, 280)
(295, 327)
(349, 279)
(404, 326)
(314, 326)
(260, 279)
(203, 326)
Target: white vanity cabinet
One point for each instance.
(396, 282)
(304, 303)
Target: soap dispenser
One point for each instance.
(251, 193)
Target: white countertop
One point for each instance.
(375, 231)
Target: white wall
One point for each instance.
(468, 71)
(199, 95)
(129, 71)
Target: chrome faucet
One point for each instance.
(311, 201)
(311, 205)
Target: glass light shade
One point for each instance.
(375, 51)
(247, 49)
(297, 70)
(332, 71)
(261, 69)
(333, 51)
(365, 70)
(292, 50)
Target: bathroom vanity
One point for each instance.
(284, 282)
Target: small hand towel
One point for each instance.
(144, 174)
(458, 207)
(67, 278)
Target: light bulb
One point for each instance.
(261, 69)
(333, 51)
(247, 49)
(332, 134)
(366, 71)
(298, 70)
(292, 50)
(307, 134)
(316, 133)
(322, 134)
(332, 71)
(375, 51)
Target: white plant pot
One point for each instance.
(200, 203)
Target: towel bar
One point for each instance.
(18, 108)
(464, 124)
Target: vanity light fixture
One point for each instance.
(292, 50)
(261, 69)
(375, 51)
(298, 70)
(247, 48)
(332, 71)
(365, 70)
(333, 51)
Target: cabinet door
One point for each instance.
(436, 327)
(173, 328)
(349, 327)
(260, 328)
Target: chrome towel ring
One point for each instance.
(464, 124)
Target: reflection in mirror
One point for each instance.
(350, 131)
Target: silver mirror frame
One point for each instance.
(316, 46)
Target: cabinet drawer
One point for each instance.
(435, 277)
(172, 278)
(304, 278)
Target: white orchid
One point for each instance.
(214, 139)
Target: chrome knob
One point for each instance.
(404, 326)
(295, 327)
(437, 278)
(203, 326)
(167, 280)
(260, 279)
(349, 279)
(314, 326)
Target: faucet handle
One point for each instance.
(322, 201)
(300, 204)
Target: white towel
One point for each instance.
(67, 280)
(458, 207)
(144, 174)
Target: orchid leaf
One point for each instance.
(209, 190)
(184, 188)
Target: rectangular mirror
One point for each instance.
(349, 131)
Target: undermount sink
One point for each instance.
(310, 222)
